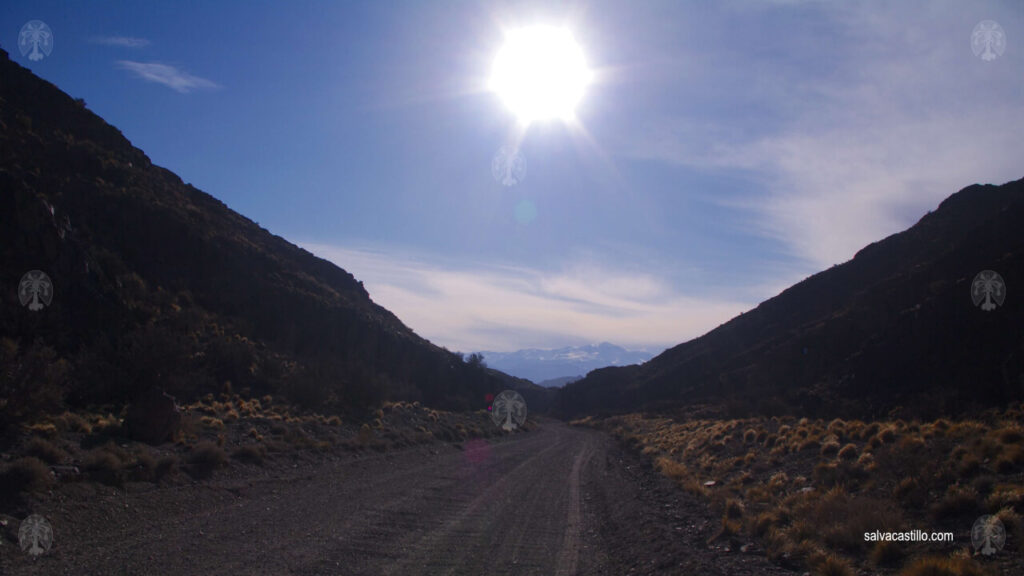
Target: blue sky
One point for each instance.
(724, 151)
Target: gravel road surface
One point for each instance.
(555, 501)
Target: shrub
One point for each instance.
(969, 465)
(886, 554)
(938, 566)
(103, 466)
(867, 462)
(840, 520)
(1005, 496)
(837, 427)
(70, 422)
(830, 448)
(33, 381)
(848, 453)
(144, 467)
(165, 467)
(250, 454)
(47, 429)
(959, 501)
(1010, 435)
(45, 451)
(212, 423)
(731, 520)
(887, 435)
(205, 458)
(733, 509)
(870, 431)
(909, 493)
(832, 565)
(827, 474)
(1011, 458)
(27, 474)
(809, 444)
(984, 485)
(1014, 526)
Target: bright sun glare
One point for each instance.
(540, 73)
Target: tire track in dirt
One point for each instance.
(569, 555)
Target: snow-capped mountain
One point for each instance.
(561, 363)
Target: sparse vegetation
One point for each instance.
(104, 466)
(45, 451)
(810, 489)
(205, 458)
(956, 565)
(166, 467)
(27, 474)
(250, 454)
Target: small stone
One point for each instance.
(709, 483)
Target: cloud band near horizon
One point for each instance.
(504, 309)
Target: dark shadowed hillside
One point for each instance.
(158, 284)
(894, 328)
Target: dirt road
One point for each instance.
(555, 501)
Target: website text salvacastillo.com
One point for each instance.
(908, 536)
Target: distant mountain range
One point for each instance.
(552, 368)
(904, 328)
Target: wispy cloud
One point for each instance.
(122, 41)
(905, 116)
(173, 78)
(483, 307)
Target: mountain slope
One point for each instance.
(892, 329)
(573, 361)
(158, 284)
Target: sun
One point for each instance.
(540, 73)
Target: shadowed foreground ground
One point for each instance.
(558, 500)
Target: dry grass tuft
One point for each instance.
(205, 458)
(955, 565)
(250, 454)
(45, 451)
(959, 501)
(832, 565)
(27, 474)
(830, 448)
(848, 453)
(212, 423)
(810, 489)
(886, 554)
(104, 466)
